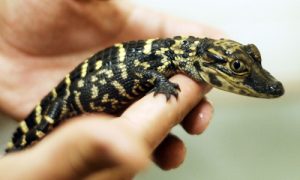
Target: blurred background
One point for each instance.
(248, 138)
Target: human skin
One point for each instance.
(41, 41)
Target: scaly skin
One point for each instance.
(115, 77)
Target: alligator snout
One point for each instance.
(276, 89)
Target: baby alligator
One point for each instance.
(115, 77)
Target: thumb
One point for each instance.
(85, 146)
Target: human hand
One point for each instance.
(102, 146)
(41, 41)
(50, 38)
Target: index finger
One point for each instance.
(153, 117)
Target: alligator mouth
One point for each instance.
(275, 89)
(265, 84)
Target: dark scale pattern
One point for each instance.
(214, 80)
(115, 77)
(162, 43)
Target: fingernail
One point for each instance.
(205, 116)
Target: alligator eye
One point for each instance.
(238, 67)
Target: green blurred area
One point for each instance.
(248, 138)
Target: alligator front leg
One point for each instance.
(161, 84)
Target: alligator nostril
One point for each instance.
(272, 88)
(276, 89)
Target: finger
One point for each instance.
(139, 26)
(199, 118)
(153, 117)
(114, 173)
(88, 145)
(170, 153)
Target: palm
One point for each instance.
(45, 45)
